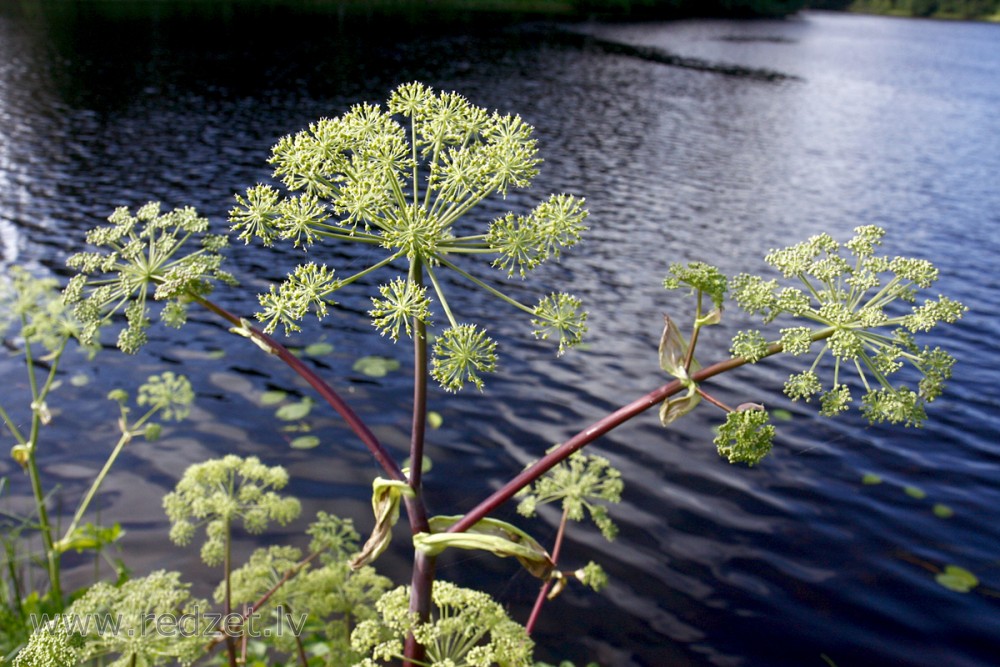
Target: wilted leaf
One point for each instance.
(498, 537)
(386, 496)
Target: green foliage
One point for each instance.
(852, 301)
(468, 629)
(148, 621)
(580, 484)
(366, 178)
(218, 492)
(137, 255)
(328, 600)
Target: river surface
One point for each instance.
(795, 562)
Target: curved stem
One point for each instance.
(590, 434)
(328, 394)
(543, 594)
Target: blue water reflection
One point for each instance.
(888, 122)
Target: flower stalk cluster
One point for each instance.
(366, 178)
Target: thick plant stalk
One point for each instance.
(589, 435)
(422, 578)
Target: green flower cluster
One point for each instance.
(365, 178)
(137, 255)
(33, 306)
(468, 629)
(218, 492)
(578, 483)
(332, 597)
(852, 303)
(148, 621)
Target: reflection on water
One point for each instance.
(715, 565)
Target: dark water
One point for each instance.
(887, 121)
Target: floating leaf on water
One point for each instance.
(305, 442)
(294, 411)
(318, 349)
(273, 397)
(79, 380)
(375, 367)
(943, 511)
(957, 579)
(427, 464)
(781, 415)
(871, 479)
(915, 492)
(434, 419)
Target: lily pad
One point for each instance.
(318, 349)
(294, 411)
(781, 415)
(943, 511)
(273, 397)
(957, 579)
(305, 442)
(374, 366)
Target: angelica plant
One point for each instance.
(216, 494)
(366, 178)
(141, 255)
(329, 599)
(40, 328)
(858, 307)
(581, 484)
(468, 629)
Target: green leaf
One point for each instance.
(426, 466)
(957, 579)
(870, 479)
(434, 419)
(374, 366)
(305, 442)
(781, 415)
(318, 349)
(273, 397)
(943, 511)
(294, 411)
(915, 492)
